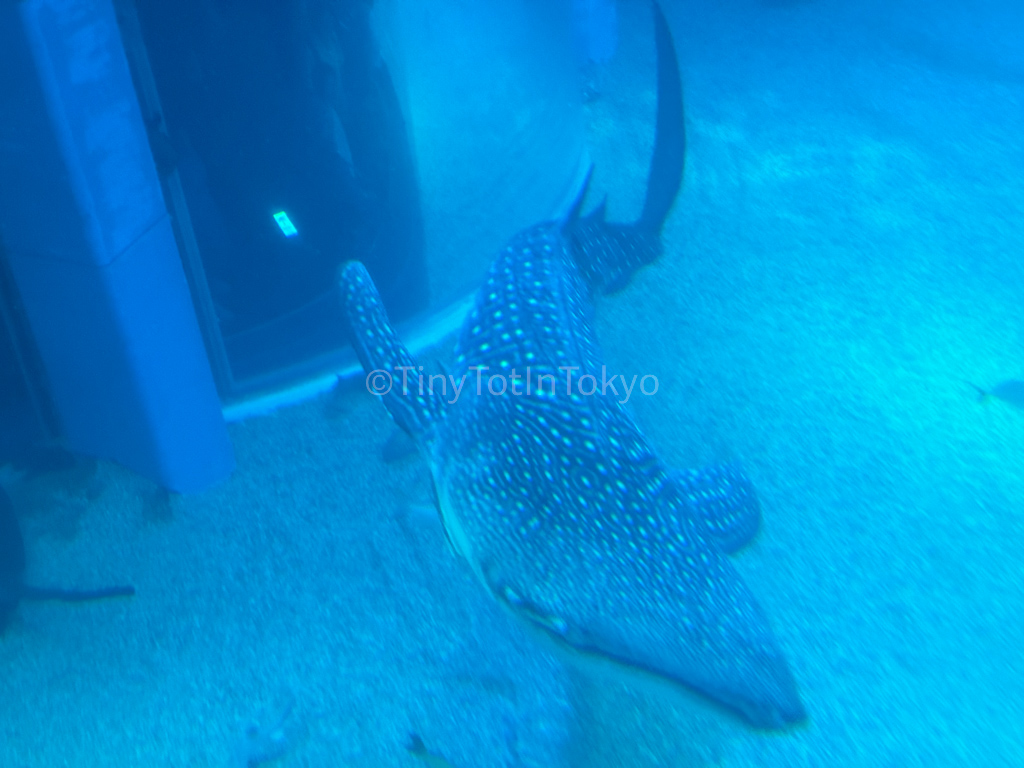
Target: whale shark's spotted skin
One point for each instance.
(562, 509)
(555, 499)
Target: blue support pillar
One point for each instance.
(90, 245)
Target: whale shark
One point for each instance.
(550, 492)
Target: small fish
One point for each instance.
(1011, 392)
(419, 749)
(12, 571)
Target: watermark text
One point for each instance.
(568, 381)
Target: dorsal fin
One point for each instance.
(577, 205)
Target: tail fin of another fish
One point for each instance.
(669, 157)
(608, 254)
(391, 372)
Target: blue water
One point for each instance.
(844, 255)
(595, 26)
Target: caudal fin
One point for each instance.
(669, 157)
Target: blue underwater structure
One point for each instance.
(131, 319)
(90, 249)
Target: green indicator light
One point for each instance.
(285, 224)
